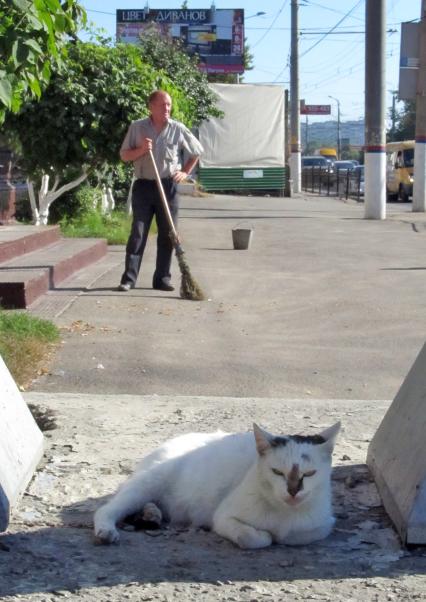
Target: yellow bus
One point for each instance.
(328, 153)
(400, 170)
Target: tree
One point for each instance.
(79, 123)
(169, 56)
(33, 37)
(405, 122)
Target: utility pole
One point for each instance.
(287, 189)
(295, 162)
(306, 134)
(338, 126)
(286, 141)
(375, 110)
(419, 187)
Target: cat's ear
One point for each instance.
(330, 436)
(263, 439)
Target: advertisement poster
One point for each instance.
(215, 35)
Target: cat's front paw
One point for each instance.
(107, 536)
(252, 539)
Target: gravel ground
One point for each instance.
(49, 553)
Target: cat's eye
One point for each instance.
(309, 473)
(277, 472)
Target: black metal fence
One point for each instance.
(343, 183)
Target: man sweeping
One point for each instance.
(166, 138)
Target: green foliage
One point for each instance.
(75, 203)
(80, 121)
(114, 228)
(84, 113)
(405, 123)
(194, 96)
(33, 35)
(22, 325)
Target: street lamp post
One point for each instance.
(258, 14)
(338, 124)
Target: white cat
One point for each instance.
(253, 490)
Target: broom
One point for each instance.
(189, 289)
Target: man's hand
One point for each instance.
(132, 154)
(179, 176)
(146, 146)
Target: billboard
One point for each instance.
(409, 60)
(215, 35)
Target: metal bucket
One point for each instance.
(241, 237)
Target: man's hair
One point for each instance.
(154, 95)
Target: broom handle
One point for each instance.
(164, 199)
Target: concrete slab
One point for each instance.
(21, 445)
(97, 442)
(397, 456)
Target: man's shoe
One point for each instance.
(124, 288)
(163, 287)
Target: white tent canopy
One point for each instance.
(251, 133)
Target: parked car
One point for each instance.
(315, 162)
(356, 182)
(343, 165)
(317, 170)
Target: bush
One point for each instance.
(74, 204)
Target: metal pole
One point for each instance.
(338, 124)
(375, 110)
(419, 187)
(286, 141)
(295, 162)
(306, 135)
(338, 130)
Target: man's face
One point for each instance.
(160, 107)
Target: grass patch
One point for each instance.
(115, 228)
(25, 342)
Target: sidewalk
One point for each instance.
(324, 304)
(320, 320)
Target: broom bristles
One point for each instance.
(189, 288)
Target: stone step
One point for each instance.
(25, 278)
(18, 239)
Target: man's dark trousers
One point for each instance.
(146, 202)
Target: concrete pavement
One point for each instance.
(324, 304)
(319, 320)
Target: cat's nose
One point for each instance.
(292, 500)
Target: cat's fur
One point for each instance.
(251, 488)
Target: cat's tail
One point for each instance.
(130, 498)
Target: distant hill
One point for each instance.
(324, 133)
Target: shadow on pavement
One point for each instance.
(64, 557)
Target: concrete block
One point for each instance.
(21, 445)
(397, 456)
(186, 188)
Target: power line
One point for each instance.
(272, 24)
(332, 29)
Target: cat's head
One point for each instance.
(293, 467)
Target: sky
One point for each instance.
(331, 47)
